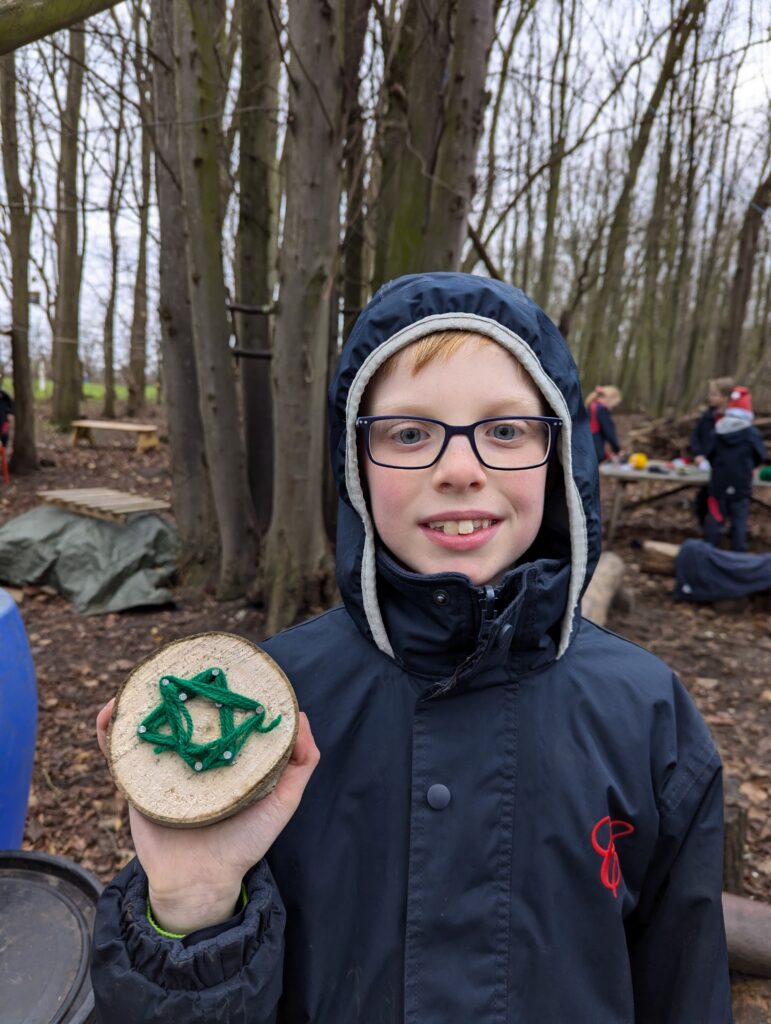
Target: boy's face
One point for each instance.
(476, 382)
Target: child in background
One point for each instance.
(736, 448)
(600, 403)
(6, 415)
(704, 431)
(517, 816)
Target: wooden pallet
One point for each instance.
(102, 502)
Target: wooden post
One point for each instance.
(735, 836)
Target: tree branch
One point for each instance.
(24, 21)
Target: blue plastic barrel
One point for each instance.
(18, 717)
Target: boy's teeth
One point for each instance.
(453, 527)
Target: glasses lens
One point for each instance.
(400, 441)
(513, 443)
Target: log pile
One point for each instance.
(670, 438)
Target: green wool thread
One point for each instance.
(212, 685)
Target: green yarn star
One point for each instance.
(212, 685)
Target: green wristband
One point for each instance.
(244, 899)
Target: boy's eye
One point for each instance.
(506, 431)
(409, 435)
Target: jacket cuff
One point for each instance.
(200, 961)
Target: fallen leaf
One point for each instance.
(757, 794)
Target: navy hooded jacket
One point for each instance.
(517, 816)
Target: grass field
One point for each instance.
(90, 390)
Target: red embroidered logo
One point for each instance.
(610, 872)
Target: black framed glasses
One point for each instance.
(500, 442)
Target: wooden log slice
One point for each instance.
(163, 786)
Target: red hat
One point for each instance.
(740, 399)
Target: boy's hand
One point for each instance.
(195, 874)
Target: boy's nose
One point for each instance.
(459, 467)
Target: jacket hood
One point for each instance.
(557, 568)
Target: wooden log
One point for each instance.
(659, 557)
(734, 836)
(180, 791)
(603, 588)
(748, 932)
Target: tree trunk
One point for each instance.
(66, 364)
(257, 226)
(24, 21)
(454, 182)
(411, 129)
(598, 353)
(197, 24)
(24, 458)
(354, 159)
(117, 179)
(727, 356)
(558, 124)
(191, 496)
(138, 342)
(297, 564)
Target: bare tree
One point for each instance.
(197, 26)
(117, 173)
(69, 257)
(138, 335)
(20, 201)
(727, 357)
(297, 567)
(192, 499)
(597, 352)
(255, 244)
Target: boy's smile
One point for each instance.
(457, 515)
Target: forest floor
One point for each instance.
(724, 659)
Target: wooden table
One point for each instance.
(670, 479)
(147, 433)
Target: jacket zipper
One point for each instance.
(487, 601)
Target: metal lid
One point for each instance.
(48, 908)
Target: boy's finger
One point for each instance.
(102, 725)
(305, 750)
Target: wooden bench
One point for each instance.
(147, 433)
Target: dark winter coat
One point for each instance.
(704, 431)
(517, 816)
(733, 456)
(6, 410)
(603, 431)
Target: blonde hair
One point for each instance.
(603, 392)
(439, 345)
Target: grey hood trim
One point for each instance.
(524, 355)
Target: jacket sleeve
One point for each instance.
(703, 432)
(759, 453)
(676, 935)
(608, 428)
(232, 977)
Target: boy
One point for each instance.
(703, 434)
(736, 448)
(517, 816)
